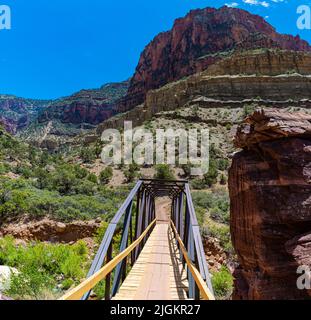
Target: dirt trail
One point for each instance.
(163, 210)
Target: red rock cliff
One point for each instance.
(270, 191)
(199, 40)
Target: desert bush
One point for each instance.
(223, 164)
(92, 178)
(106, 175)
(42, 266)
(217, 202)
(222, 284)
(131, 173)
(19, 197)
(164, 172)
(88, 155)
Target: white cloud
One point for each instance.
(265, 4)
(232, 4)
(258, 3)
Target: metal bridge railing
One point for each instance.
(137, 226)
(187, 229)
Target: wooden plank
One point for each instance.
(158, 273)
(88, 284)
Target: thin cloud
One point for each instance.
(232, 4)
(258, 3)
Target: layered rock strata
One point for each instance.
(270, 192)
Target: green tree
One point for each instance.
(87, 155)
(132, 173)
(164, 172)
(64, 179)
(43, 178)
(106, 175)
(210, 178)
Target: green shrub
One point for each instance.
(222, 233)
(19, 197)
(198, 184)
(223, 164)
(92, 178)
(106, 175)
(217, 202)
(210, 178)
(222, 283)
(88, 155)
(42, 266)
(249, 109)
(219, 215)
(223, 180)
(132, 173)
(164, 172)
(4, 168)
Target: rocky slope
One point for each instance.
(86, 106)
(195, 42)
(198, 41)
(16, 113)
(50, 230)
(265, 77)
(77, 114)
(270, 187)
(238, 71)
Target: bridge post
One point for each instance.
(108, 278)
(181, 219)
(140, 223)
(124, 242)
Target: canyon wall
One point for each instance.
(267, 77)
(86, 106)
(17, 113)
(197, 41)
(270, 192)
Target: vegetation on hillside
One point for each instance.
(44, 270)
(47, 185)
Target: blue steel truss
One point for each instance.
(134, 223)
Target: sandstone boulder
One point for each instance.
(270, 191)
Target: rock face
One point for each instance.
(50, 230)
(263, 62)
(198, 41)
(270, 191)
(16, 113)
(195, 43)
(268, 77)
(87, 106)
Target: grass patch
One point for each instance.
(223, 284)
(44, 270)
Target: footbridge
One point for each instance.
(160, 255)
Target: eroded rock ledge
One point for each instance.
(270, 191)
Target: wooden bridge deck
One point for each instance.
(158, 273)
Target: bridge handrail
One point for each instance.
(91, 282)
(186, 223)
(145, 213)
(204, 290)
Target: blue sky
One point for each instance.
(58, 47)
